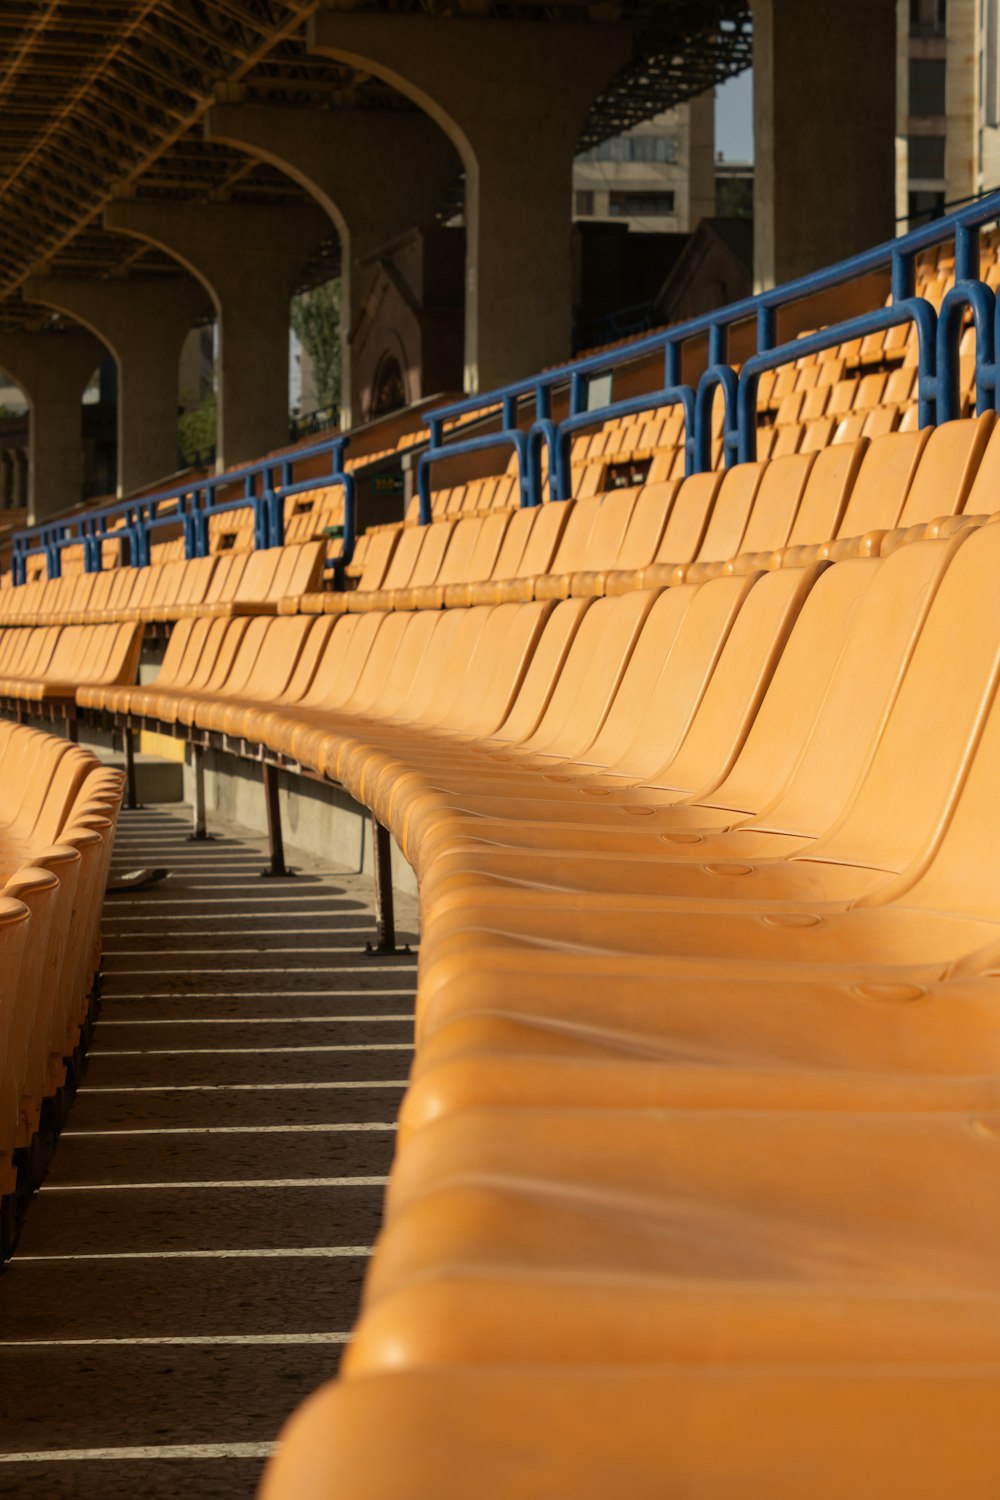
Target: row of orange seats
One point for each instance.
(58, 811)
(745, 517)
(710, 931)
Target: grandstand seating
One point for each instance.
(696, 778)
(46, 664)
(57, 817)
(697, 1162)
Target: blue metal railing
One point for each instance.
(522, 411)
(261, 487)
(937, 334)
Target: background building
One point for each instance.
(948, 104)
(658, 177)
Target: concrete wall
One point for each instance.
(317, 818)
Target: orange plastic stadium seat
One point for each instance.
(727, 521)
(585, 545)
(880, 488)
(647, 521)
(453, 568)
(693, 1181)
(690, 515)
(407, 566)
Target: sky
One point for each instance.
(734, 117)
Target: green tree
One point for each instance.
(316, 321)
(196, 429)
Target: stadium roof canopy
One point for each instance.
(103, 99)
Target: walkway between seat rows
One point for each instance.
(191, 1267)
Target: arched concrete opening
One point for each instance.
(197, 409)
(99, 432)
(53, 369)
(143, 324)
(337, 156)
(249, 259)
(517, 150)
(14, 422)
(389, 386)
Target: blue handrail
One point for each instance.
(263, 487)
(937, 372)
(524, 408)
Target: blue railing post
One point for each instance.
(53, 554)
(903, 276)
(979, 299)
(937, 398)
(698, 449)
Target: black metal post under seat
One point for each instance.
(275, 840)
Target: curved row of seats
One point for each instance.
(58, 809)
(752, 515)
(696, 1181)
(230, 584)
(46, 663)
(711, 929)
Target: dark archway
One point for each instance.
(388, 387)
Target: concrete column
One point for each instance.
(824, 132)
(250, 259)
(19, 497)
(701, 159)
(52, 370)
(144, 324)
(337, 155)
(512, 96)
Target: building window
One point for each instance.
(641, 205)
(645, 148)
(926, 153)
(584, 203)
(928, 18)
(924, 204)
(660, 148)
(927, 85)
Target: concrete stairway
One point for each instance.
(191, 1267)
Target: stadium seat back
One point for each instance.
(457, 561)
(419, 662)
(497, 667)
(830, 482)
(983, 498)
(310, 655)
(775, 503)
(590, 675)
(742, 673)
(258, 573)
(647, 524)
(378, 553)
(947, 469)
(797, 691)
(689, 516)
(369, 688)
(282, 643)
(883, 482)
(923, 753)
(437, 539)
(668, 673)
(837, 737)
(571, 553)
(341, 664)
(488, 543)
